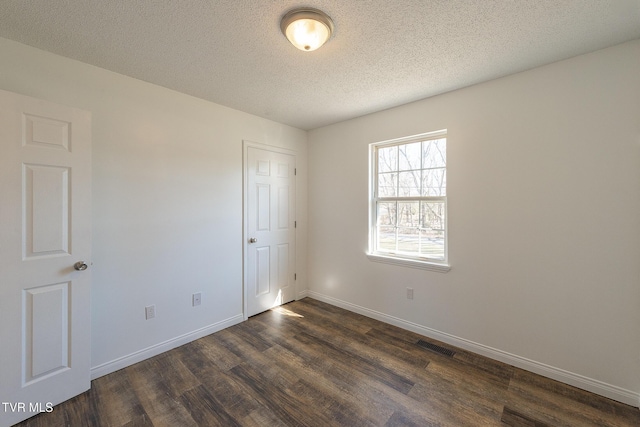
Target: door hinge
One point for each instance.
(295, 171)
(295, 276)
(295, 224)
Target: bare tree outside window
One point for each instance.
(410, 198)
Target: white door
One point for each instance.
(269, 228)
(45, 228)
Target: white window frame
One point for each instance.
(423, 262)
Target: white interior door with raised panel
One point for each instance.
(269, 228)
(45, 235)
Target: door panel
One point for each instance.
(263, 207)
(283, 266)
(45, 210)
(283, 208)
(45, 227)
(46, 317)
(270, 214)
(263, 273)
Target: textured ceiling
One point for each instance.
(384, 53)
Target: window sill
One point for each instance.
(406, 262)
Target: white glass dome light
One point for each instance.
(307, 28)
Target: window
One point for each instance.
(408, 207)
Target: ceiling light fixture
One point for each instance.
(307, 28)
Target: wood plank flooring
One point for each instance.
(312, 364)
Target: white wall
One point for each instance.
(544, 215)
(167, 201)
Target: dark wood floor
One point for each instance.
(313, 364)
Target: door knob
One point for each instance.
(80, 265)
(253, 240)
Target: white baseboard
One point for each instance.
(302, 294)
(154, 350)
(594, 386)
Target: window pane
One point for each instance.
(432, 216)
(408, 240)
(434, 182)
(387, 216)
(387, 213)
(409, 184)
(387, 184)
(388, 159)
(409, 156)
(432, 244)
(408, 214)
(434, 153)
(386, 239)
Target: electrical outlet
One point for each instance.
(150, 312)
(409, 293)
(196, 299)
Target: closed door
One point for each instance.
(45, 229)
(269, 229)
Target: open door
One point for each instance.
(45, 255)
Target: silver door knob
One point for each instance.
(80, 265)
(253, 240)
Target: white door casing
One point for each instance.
(269, 227)
(45, 228)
